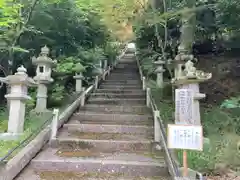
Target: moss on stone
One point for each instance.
(49, 175)
(92, 135)
(77, 153)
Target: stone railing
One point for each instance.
(159, 130)
(160, 135)
(10, 165)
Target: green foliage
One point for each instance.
(73, 30)
(111, 51)
(9, 13)
(30, 104)
(79, 68)
(3, 120)
(66, 65)
(57, 95)
(231, 103)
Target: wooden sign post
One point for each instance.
(185, 164)
(185, 134)
(185, 137)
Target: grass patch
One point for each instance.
(32, 123)
(47, 175)
(3, 121)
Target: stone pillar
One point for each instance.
(190, 79)
(43, 78)
(79, 78)
(17, 97)
(179, 62)
(100, 66)
(159, 70)
(105, 64)
(41, 97)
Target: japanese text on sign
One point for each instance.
(184, 106)
(185, 137)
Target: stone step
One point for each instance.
(111, 122)
(127, 61)
(116, 101)
(119, 77)
(141, 110)
(132, 72)
(116, 78)
(135, 75)
(123, 163)
(34, 174)
(122, 82)
(125, 70)
(91, 116)
(100, 128)
(102, 145)
(116, 83)
(127, 65)
(121, 91)
(132, 82)
(118, 96)
(125, 86)
(64, 133)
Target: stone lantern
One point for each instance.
(190, 79)
(43, 77)
(79, 76)
(159, 70)
(17, 97)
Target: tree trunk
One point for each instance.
(188, 28)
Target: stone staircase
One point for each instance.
(111, 137)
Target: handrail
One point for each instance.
(139, 67)
(172, 165)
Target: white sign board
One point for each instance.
(185, 137)
(184, 106)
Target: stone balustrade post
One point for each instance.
(101, 66)
(79, 77)
(17, 97)
(54, 124)
(105, 65)
(96, 82)
(159, 70)
(43, 78)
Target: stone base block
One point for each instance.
(10, 136)
(37, 112)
